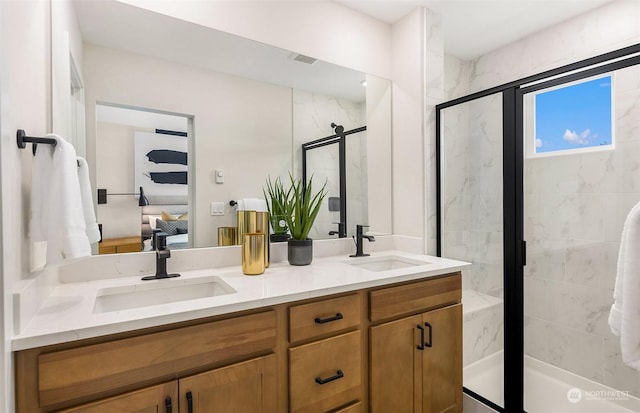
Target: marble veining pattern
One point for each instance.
(575, 209)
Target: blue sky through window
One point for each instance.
(574, 117)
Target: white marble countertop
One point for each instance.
(68, 313)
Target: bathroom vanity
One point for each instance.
(379, 334)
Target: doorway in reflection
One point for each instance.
(142, 151)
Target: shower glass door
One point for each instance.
(323, 165)
(471, 229)
(582, 151)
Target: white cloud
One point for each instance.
(575, 138)
(538, 143)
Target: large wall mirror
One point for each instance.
(239, 110)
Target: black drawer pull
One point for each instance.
(421, 345)
(339, 375)
(189, 402)
(430, 343)
(319, 320)
(167, 403)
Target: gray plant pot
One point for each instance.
(300, 252)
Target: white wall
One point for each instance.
(66, 41)
(417, 68)
(25, 104)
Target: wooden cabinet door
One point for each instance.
(247, 387)
(396, 366)
(156, 399)
(442, 360)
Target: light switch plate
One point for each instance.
(217, 208)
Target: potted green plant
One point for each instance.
(276, 197)
(301, 209)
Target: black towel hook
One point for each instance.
(22, 139)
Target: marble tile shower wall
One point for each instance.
(312, 118)
(575, 207)
(472, 210)
(472, 227)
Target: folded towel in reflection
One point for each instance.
(624, 318)
(57, 215)
(252, 204)
(93, 233)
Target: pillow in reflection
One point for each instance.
(172, 227)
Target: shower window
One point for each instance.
(571, 118)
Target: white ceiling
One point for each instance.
(471, 28)
(475, 27)
(124, 27)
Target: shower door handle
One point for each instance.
(524, 253)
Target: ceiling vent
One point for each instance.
(302, 58)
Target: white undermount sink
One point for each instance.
(159, 292)
(385, 263)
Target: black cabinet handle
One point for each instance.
(339, 375)
(319, 320)
(430, 343)
(167, 404)
(189, 402)
(421, 345)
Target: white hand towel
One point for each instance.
(624, 318)
(93, 233)
(40, 185)
(255, 204)
(57, 214)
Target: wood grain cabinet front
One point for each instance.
(49, 380)
(247, 387)
(162, 398)
(308, 321)
(416, 361)
(325, 374)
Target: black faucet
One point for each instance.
(162, 254)
(359, 241)
(341, 233)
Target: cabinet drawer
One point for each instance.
(102, 369)
(327, 316)
(325, 374)
(415, 297)
(352, 408)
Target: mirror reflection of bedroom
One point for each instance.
(142, 178)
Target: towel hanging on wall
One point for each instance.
(57, 214)
(624, 318)
(93, 233)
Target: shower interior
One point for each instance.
(339, 160)
(574, 208)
